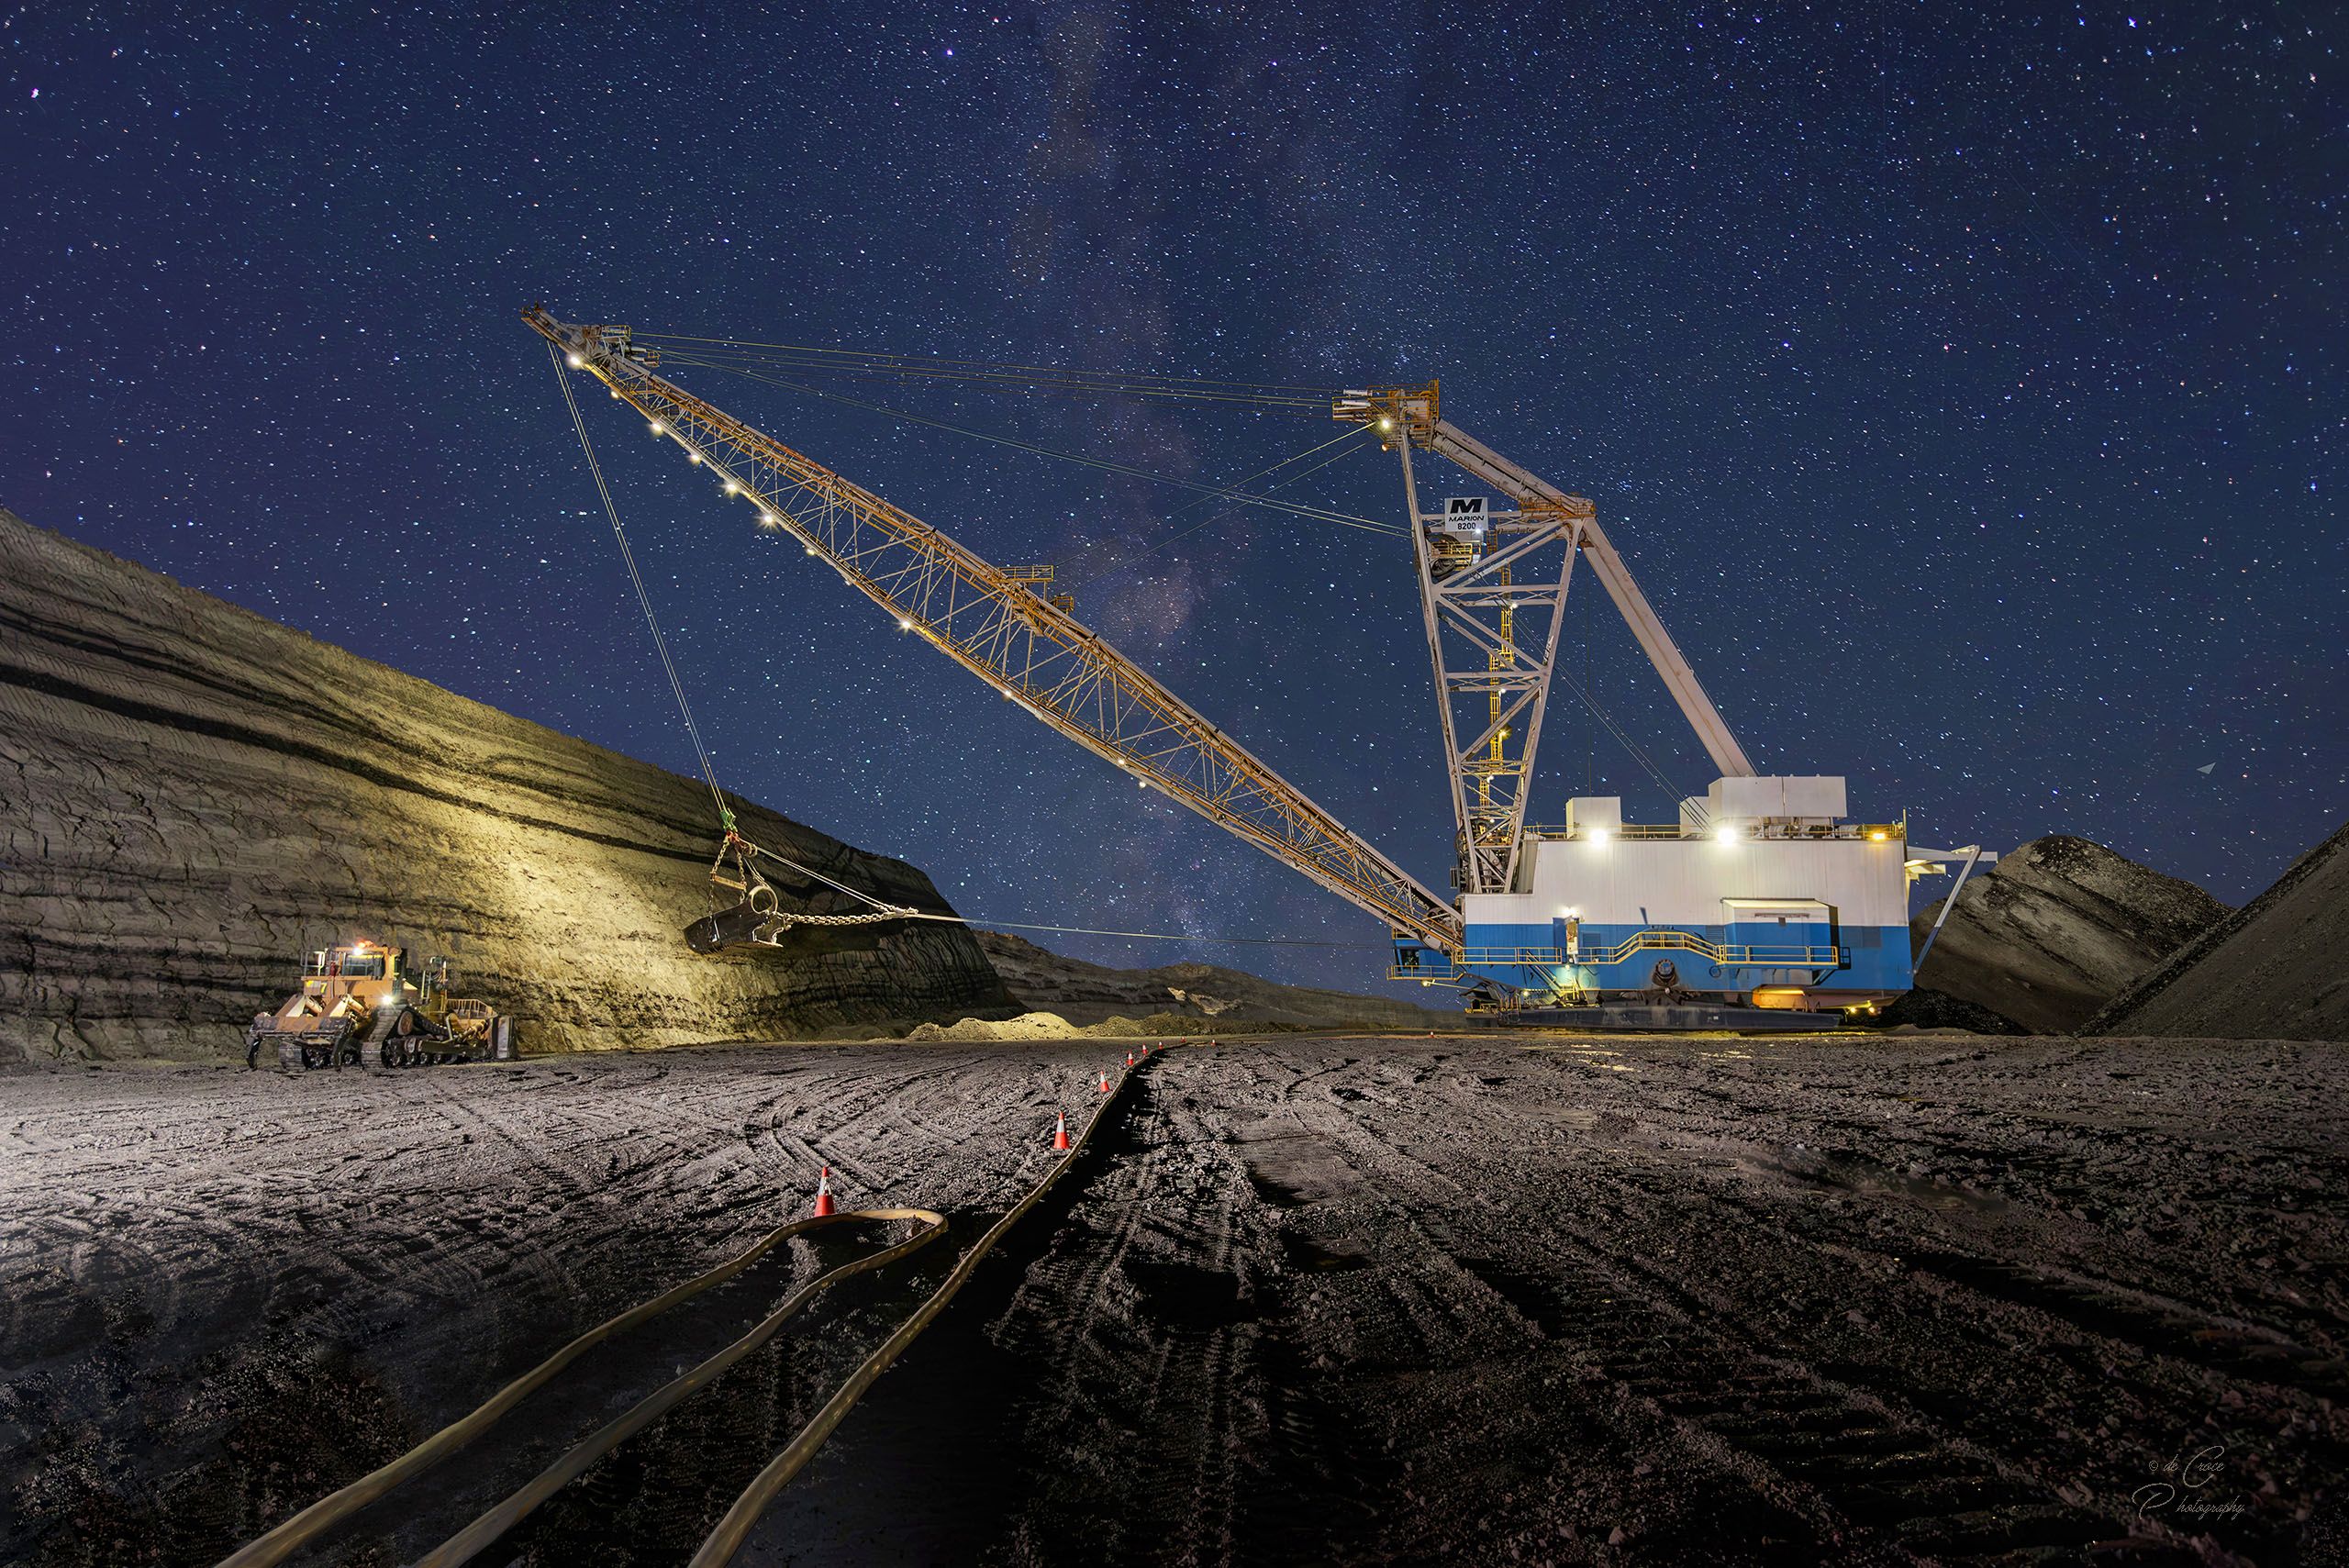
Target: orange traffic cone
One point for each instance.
(824, 1193)
(1130, 1059)
(1060, 1131)
(1105, 1083)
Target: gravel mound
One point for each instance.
(1091, 993)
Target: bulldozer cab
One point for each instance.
(353, 964)
(350, 978)
(355, 961)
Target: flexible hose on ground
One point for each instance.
(335, 1508)
(485, 1530)
(329, 1512)
(719, 1547)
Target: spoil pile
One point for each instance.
(2272, 970)
(1092, 994)
(2051, 931)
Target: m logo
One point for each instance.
(1464, 517)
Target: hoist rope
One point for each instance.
(669, 664)
(884, 911)
(1633, 747)
(1210, 491)
(643, 594)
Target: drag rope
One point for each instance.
(722, 1542)
(979, 920)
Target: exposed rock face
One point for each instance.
(2055, 930)
(191, 796)
(2272, 970)
(1088, 993)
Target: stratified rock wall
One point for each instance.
(2055, 928)
(2276, 969)
(191, 796)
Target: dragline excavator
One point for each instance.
(1762, 903)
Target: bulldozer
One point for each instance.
(362, 1004)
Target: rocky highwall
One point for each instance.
(192, 794)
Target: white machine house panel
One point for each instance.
(1747, 800)
(1684, 882)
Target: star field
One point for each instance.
(1964, 385)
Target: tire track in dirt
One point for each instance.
(1835, 1455)
(1354, 1300)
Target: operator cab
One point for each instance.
(355, 961)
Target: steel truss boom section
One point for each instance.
(1031, 649)
(1493, 598)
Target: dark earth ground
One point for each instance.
(1390, 1300)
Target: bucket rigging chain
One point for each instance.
(1031, 649)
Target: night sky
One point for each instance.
(1964, 384)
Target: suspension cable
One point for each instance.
(1211, 492)
(889, 363)
(1096, 390)
(1117, 566)
(692, 728)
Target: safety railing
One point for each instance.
(1877, 832)
(1728, 955)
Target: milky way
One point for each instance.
(1963, 383)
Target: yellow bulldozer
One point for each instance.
(363, 1005)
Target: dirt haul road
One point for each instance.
(1367, 1300)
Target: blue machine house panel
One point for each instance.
(1867, 958)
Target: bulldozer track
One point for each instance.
(724, 1539)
